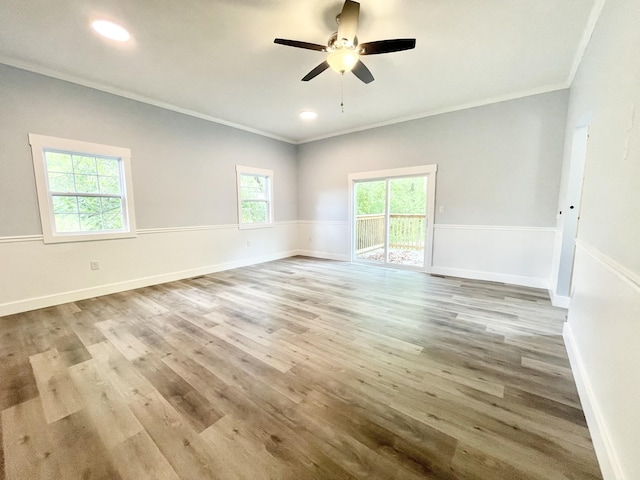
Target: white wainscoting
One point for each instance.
(602, 336)
(34, 275)
(516, 255)
(330, 240)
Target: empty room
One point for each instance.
(319, 239)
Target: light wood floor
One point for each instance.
(295, 369)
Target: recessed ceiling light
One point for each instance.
(111, 30)
(308, 115)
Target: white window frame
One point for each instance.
(40, 144)
(260, 172)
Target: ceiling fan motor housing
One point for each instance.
(333, 42)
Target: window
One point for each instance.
(84, 190)
(255, 204)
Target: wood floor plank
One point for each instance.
(83, 324)
(294, 369)
(278, 360)
(2, 467)
(113, 366)
(247, 456)
(253, 388)
(28, 453)
(130, 346)
(58, 394)
(18, 383)
(471, 463)
(109, 413)
(192, 405)
(138, 458)
(184, 450)
(79, 450)
(372, 452)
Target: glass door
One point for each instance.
(390, 217)
(371, 220)
(407, 221)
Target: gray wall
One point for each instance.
(183, 167)
(604, 315)
(497, 165)
(606, 92)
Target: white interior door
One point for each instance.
(571, 210)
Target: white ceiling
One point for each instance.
(216, 58)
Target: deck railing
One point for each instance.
(406, 231)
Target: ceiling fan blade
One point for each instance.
(362, 72)
(305, 45)
(348, 25)
(387, 46)
(316, 71)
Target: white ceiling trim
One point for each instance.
(586, 37)
(167, 106)
(594, 16)
(12, 62)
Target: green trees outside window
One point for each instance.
(86, 192)
(408, 196)
(254, 194)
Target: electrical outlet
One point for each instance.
(248, 243)
(440, 209)
(95, 265)
(309, 239)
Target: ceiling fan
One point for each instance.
(343, 48)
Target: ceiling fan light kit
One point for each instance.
(343, 60)
(343, 49)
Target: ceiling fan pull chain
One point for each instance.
(342, 92)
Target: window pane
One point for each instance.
(371, 197)
(89, 205)
(95, 214)
(254, 212)
(86, 184)
(111, 205)
(84, 165)
(112, 214)
(90, 222)
(253, 187)
(61, 182)
(59, 162)
(408, 195)
(109, 184)
(108, 167)
(65, 204)
(112, 221)
(67, 222)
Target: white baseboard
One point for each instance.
(491, 277)
(559, 301)
(609, 464)
(325, 255)
(82, 294)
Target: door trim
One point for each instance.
(430, 172)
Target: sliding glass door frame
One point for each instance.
(429, 171)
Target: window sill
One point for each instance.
(86, 237)
(251, 226)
